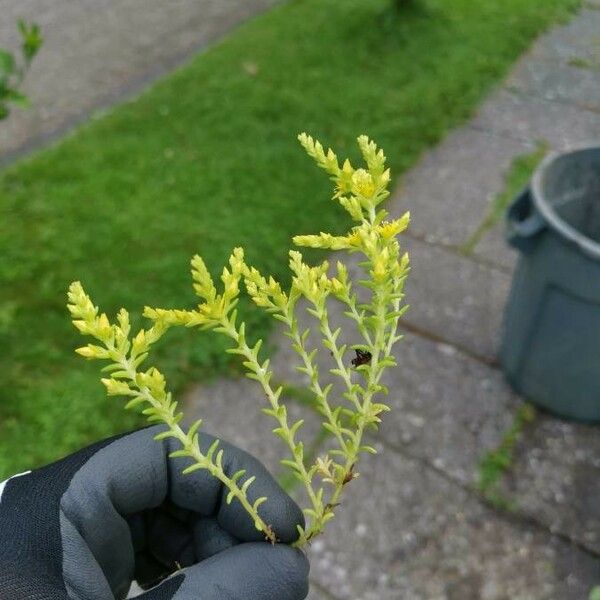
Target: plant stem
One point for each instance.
(313, 375)
(374, 373)
(193, 450)
(331, 339)
(350, 302)
(263, 376)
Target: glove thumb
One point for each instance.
(252, 571)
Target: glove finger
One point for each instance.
(210, 538)
(254, 571)
(125, 477)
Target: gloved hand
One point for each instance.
(86, 526)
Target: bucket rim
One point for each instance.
(585, 244)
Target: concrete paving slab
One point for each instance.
(450, 190)
(578, 39)
(556, 478)
(455, 298)
(486, 558)
(494, 249)
(421, 537)
(557, 82)
(447, 408)
(97, 52)
(393, 508)
(532, 118)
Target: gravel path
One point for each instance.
(98, 52)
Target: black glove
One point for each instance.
(86, 526)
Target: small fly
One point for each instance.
(362, 358)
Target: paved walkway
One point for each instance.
(98, 52)
(412, 526)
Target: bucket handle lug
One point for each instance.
(523, 222)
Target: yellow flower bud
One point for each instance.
(323, 240)
(354, 239)
(203, 283)
(115, 387)
(236, 261)
(102, 328)
(363, 184)
(92, 352)
(390, 229)
(338, 289)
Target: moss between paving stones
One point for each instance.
(517, 177)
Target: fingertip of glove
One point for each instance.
(296, 559)
(289, 568)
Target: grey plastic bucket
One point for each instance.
(550, 349)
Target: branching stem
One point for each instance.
(192, 449)
(263, 375)
(313, 374)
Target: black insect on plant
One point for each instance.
(363, 357)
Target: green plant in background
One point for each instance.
(348, 415)
(595, 593)
(12, 71)
(398, 10)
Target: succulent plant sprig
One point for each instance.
(348, 413)
(148, 388)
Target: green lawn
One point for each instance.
(207, 159)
